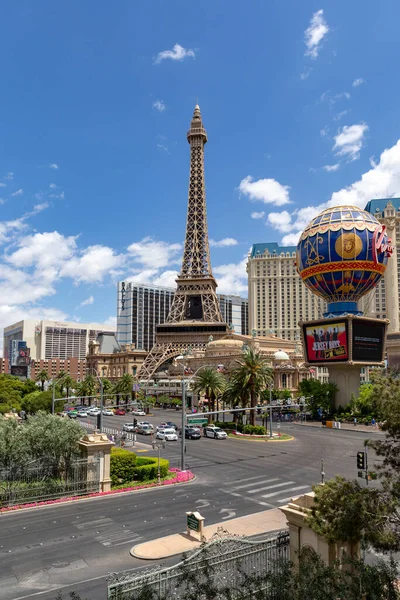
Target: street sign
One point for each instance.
(193, 523)
(197, 420)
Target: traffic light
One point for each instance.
(361, 461)
(135, 422)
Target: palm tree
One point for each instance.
(42, 376)
(210, 383)
(234, 396)
(60, 378)
(253, 375)
(87, 388)
(69, 384)
(124, 387)
(107, 387)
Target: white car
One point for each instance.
(108, 412)
(145, 423)
(94, 411)
(169, 435)
(128, 427)
(82, 413)
(215, 432)
(162, 426)
(139, 413)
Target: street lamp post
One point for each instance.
(100, 421)
(270, 411)
(157, 445)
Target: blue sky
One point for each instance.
(299, 99)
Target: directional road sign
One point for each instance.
(192, 421)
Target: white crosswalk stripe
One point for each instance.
(277, 490)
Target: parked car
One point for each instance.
(120, 412)
(108, 412)
(145, 430)
(169, 435)
(192, 433)
(82, 413)
(128, 427)
(139, 413)
(215, 432)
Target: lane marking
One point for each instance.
(270, 487)
(300, 487)
(246, 485)
(247, 498)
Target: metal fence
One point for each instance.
(231, 560)
(42, 480)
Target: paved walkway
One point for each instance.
(250, 525)
(345, 426)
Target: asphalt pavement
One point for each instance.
(74, 546)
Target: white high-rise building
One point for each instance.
(141, 307)
(54, 339)
(278, 298)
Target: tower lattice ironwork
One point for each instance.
(195, 314)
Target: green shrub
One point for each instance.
(146, 468)
(122, 466)
(254, 430)
(230, 426)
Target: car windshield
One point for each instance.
(217, 429)
(169, 431)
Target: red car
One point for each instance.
(120, 412)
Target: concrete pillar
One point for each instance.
(347, 379)
(391, 277)
(301, 535)
(92, 445)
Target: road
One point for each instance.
(74, 546)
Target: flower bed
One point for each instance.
(252, 435)
(178, 477)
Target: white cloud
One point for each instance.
(92, 264)
(306, 73)
(87, 302)
(358, 81)
(142, 276)
(9, 176)
(315, 33)
(9, 228)
(232, 278)
(268, 191)
(340, 115)
(291, 239)
(330, 168)
(178, 52)
(163, 147)
(3, 184)
(159, 105)
(381, 181)
(60, 195)
(280, 221)
(54, 166)
(52, 186)
(324, 131)
(155, 254)
(38, 208)
(349, 141)
(223, 243)
(110, 321)
(17, 193)
(166, 279)
(257, 215)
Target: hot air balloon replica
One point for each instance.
(341, 256)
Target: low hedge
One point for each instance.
(122, 466)
(146, 468)
(126, 467)
(249, 429)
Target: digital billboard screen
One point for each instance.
(19, 371)
(326, 342)
(368, 338)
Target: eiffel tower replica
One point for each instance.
(195, 316)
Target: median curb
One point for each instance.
(260, 438)
(95, 496)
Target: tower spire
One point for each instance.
(196, 256)
(195, 313)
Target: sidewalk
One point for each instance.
(343, 426)
(259, 523)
